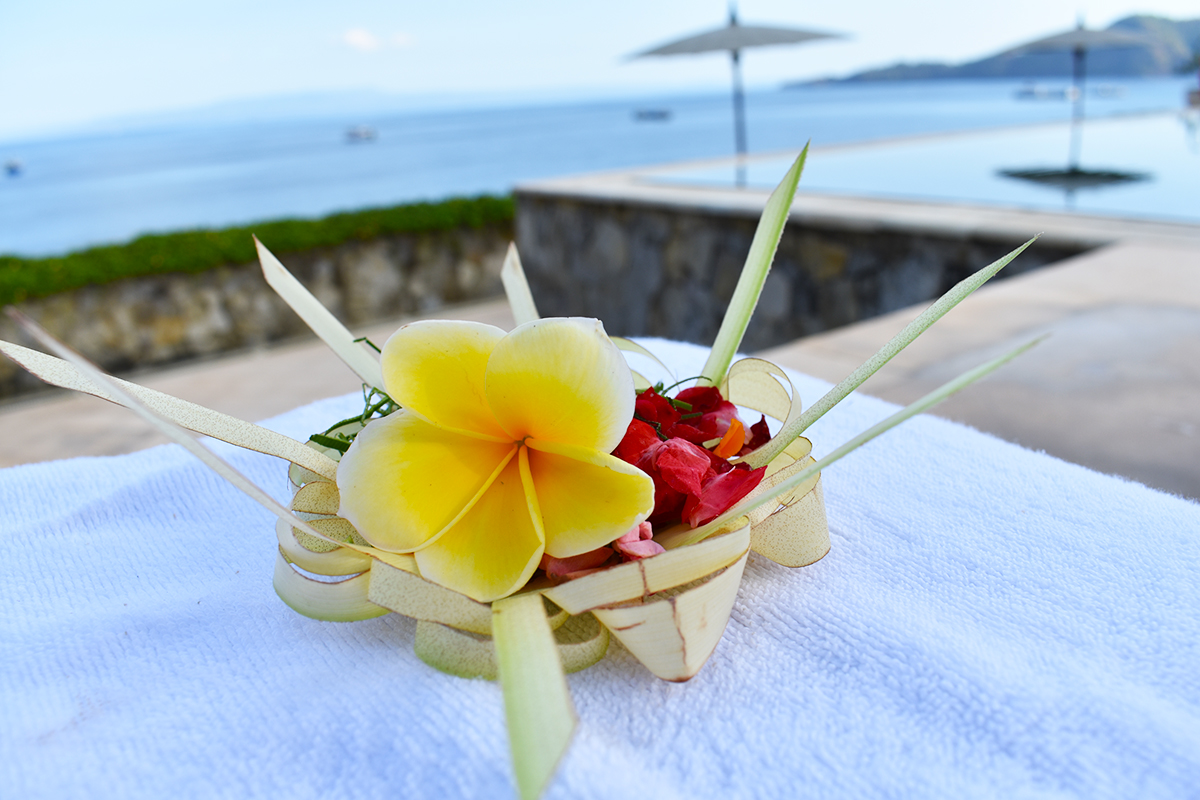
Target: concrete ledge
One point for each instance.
(652, 268)
(637, 187)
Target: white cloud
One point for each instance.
(361, 39)
(403, 40)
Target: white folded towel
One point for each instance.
(991, 622)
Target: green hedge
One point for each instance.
(199, 250)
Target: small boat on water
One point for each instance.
(360, 133)
(1108, 91)
(1036, 91)
(652, 115)
(13, 168)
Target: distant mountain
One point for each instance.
(1175, 48)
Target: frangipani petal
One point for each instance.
(492, 427)
(494, 549)
(587, 498)
(561, 380)
(436, 369)
(405, 480)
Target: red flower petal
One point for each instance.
(686, 431)
(666, 500)
(701, 398)
(653, 407)
(714, 424)
(639, 436)
(721, 493)
(667, 503)
(719, 465)
(683, 465)
(760, 434)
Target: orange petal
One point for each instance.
(731, 443)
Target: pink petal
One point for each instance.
(638, 543)
(643, 530)
(558, 569)
(639, 550)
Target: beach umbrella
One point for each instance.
(1078, 42)
(734, 38)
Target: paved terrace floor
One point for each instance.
(1116, 387)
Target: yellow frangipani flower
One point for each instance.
(499, 454)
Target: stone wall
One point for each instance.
(646, 270)
(654, 270)
(160, 319)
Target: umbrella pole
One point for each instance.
(1077, 75)
(739, 116)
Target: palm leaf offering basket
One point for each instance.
(669, 609)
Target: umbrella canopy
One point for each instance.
(734, 38)
(1078, 42)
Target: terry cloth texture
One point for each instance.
(991, 622)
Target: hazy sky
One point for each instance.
(69, 61)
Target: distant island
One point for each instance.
(1175, 49)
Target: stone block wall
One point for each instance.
(161, 319)
(656, 270)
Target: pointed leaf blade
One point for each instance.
(174, 432)
(754, 274)
(324, 324)
(520, 298)
(901, 340)
(541, 717)
(192, 416)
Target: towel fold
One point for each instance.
(991, 622)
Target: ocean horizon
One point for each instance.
(214, 168)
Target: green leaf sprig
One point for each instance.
(376, 405)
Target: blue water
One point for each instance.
(87, 189)
(1161, 149)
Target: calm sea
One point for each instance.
(75, 191)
